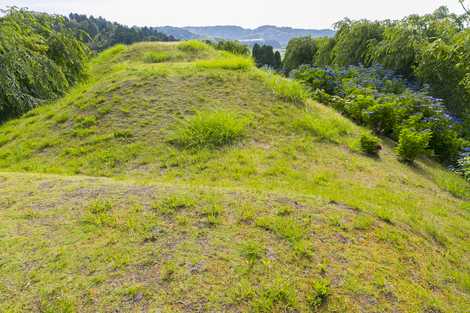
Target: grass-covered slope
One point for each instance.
(223, 190)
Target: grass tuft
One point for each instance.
(213, 213)
(229, 63)
(287, 89)
(210, 130)
(286, 228)
(99, 213)
(172, 204)
(157, 57)
(280, 297)
(319, 294)
(252, 251)
(332, 129)
(193, 46)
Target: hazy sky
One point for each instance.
(247, 13)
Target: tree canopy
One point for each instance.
(432, 49)
(266, 56)
(299, 51)
(39, 59)
(100, 34)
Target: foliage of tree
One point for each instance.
(100, 34)
(324, 55)
(232, 46)
(39, 59)
(432, 49)
(299, 51)
(355, 41)
(265, 56)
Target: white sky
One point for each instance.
(246, 13)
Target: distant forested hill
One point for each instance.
(272, 34)
(177, 32)
(100, 33)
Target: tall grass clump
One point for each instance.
(227, 63)
(320, 292)
(333, 129)
(288, 89)
(157, 57)
(210, 129)
(193, 46)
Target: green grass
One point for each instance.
(229, 63)
(157, 57)
(210, 130)
(290, 90)
(264, 203)
(193, 46)
(333, 129)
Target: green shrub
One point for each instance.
(370, 144)
(411, 144)
(211, 130)
(356, 107)
(320, 292)
(383, 117)
(157, 57)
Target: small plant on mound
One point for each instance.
(99, 213)
(156, 57)
(192, 46)
(252, 251)
(172, 204)
(412, 143)
(321, 290)
(279, 297)
(370, 144)
(210, 130)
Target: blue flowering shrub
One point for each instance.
(388, 104)
(463, 164)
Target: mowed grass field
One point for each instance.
(178, 178)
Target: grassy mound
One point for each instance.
(267, 203)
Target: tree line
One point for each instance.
(42, 55)
(101, 34)
(407, 79)
(432, 50)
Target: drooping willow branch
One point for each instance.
(464, 7)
